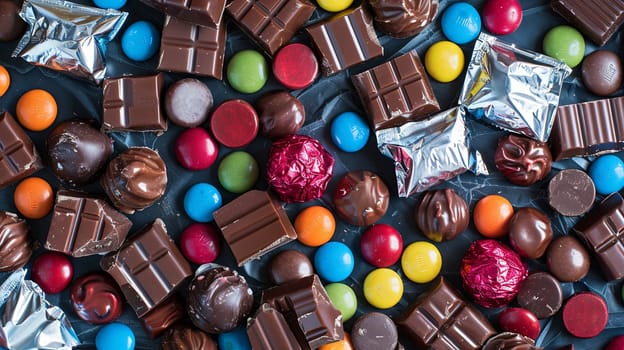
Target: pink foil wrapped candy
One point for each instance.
(492, 273)
(299, 168)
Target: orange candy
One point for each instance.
(491, 216)
(36, 110)
(315, 226)
(5, 80)
(339, 345)
(33, 198)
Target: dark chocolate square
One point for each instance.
(18, 156)
(207, 13)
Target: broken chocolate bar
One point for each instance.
(597, 19)
(18, 156)
(269, 330)
(201, 12)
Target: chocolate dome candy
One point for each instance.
(567, 259)
(289, 265)
(521, 160)
(96, 298)
(135, 179)
(510, 341)
(187, 337)
(361, 198)
(218, 299)
(15, 243)
(403, 18)
(530, 232)
(602, 72)
(280, 113)
(442, 215)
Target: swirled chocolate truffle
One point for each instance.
(442, 215)
(187, 337)
(15, 243)
(280, 113)
(361, 198)
(135, 179)
(219, 299)
(510, 341)
(521, 160)
(96, 298)
(403, 18)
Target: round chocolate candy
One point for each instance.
(361, 198)
(11, 24)
(140, 41)
(295, 66)
(585, 315)
(186, 337)
(281, 114)
(16, 247)
(442, 215)
(521, 160)
(334, 261)
(602, 73)
(403, 18)
(607, 172)
(195, 149)
(381, 245)
(571, 192)
(567, 259)
(510, 341)
(374, 330)
(343, 298)
(530, 232)
(502, 17)
(77, 151)
(234, 123)
(519, 320)
(115, 336)
(219, 299)
(289, 265)
(566, 44)
(188, 102)
(52, 271)
(96, 298)
(541, 294)
(617, 343)
(200, 243)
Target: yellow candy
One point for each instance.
(421, 262)
(334, 5)
(383, 288)
(444, 61)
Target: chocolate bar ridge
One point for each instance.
(597, 19)
(269, 330)
(201, 12)
(18, 156)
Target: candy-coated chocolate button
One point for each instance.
(5, 80)
(521, 321)
(234, 123)
(334, 5)
(381, 245)
(344, 344)
(444, 61)
(52, 271)
(602, 72)
(334, 261)
(315, 226)
(349, 132)
(195, 149)
(502, 17)
(383, 288)
(461, 23)
(343, 298)
(109, 4)
(607, 172)
(200, 243)
(140, 41)
(115, 336)
(617, 343)
(201, 200)
(566, 44)
(33, 198)
(238, 172)
(585, 315)
(36, 110)
(492, 215)
(236, 339)
(421, 262)
(295, 66)
(247, 71)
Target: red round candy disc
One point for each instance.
(502, 17)
(616, 343)
(521, 321)
(585, 315)
(52, 271)
(234, 123)
(200, 243)
(295, 66)
(381, 245)
(195, 149)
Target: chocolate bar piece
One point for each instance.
(148, 268)
(83, 226)
(164, 316)
(597, 19)
(269, 330)
(18, 156)
(270, 23)
(207, 13)
(396, 92)
(345, 39)
(602, 230)
(133, 104)
(441, 319)
(191, 48)
(309, 311)
(254, 224)
(589, 128)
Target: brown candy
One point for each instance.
(530, 232)
(567, 259)
(510, 341)
(521, 160)
(15, 243)
(403, 18)
(280, 113)
(442, 215)
(541, 294)
(361, 198)
(288, 266)
(96, 298)
(187, 337)
(602, 72)
(374, 330)
(164, 316)
(571, 192)
(11, 25)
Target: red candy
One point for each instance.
(195, 149)
(521, 321)
(234, 123)
(381, 245)
(585, 315)
(52, 272)
(200, 243)
(295, 66)
(502, 17)
(616, 343)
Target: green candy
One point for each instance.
(565, 44)
(247, 71)
(238, 172)
(343, 298)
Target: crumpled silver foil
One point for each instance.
(29, 321)
(430, 151)
(68, 37)
(514, 89)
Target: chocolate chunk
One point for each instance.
(521, 160)
(192, 48)
(345, 40)
(530, 232)
(571, 192)
(442, 215)
(148, 267)
(96, 298)
(218, 299)
(253, 224)
(602, 72)
(187, 337)
(403, 18)
(270, 23)
(597, 19)
(135, 179)
(541, 294)
(163, 316)
(15, 243)
(374, 330)
(510, 341)
(288, 266)
(361, 198)
(207, 13)
(567, 259)
(132, 103)
(280, 113)
(441, 319)
(269, 330)
(11, 24)
(188, 102)
(18, 156)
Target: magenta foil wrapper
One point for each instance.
(492, 273)
(299, 168)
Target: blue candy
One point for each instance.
(140, 41)
(201, 200)
(608, 174)
(234, 340)
(334, 261)
(109, 4)
(115, 336)
(461, 23)
(349, 132)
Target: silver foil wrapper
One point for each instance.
(514, 89)
(430, 151)
(68, 37)
(29, 321)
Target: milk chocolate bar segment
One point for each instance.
(18, 156)
(269, 330)
(200, 12)
(597, 19)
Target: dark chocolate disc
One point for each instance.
(571, 192)
(541, 294)
(374, 330)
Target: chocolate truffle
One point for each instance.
(77, 151)
(571, 192)
(96, 298)
(442, 215)
(403, 18)
(530, 232)
(188, 102)
(289, 265)
(510, 341)
(374, 330)
(219, 299)
(521, 160)
(602, 72)
(15, 243)
(361, 198)
(567, 259)
(11, 24)
(541, 294)
(135, 179)
(280, 114)
(186, 337)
